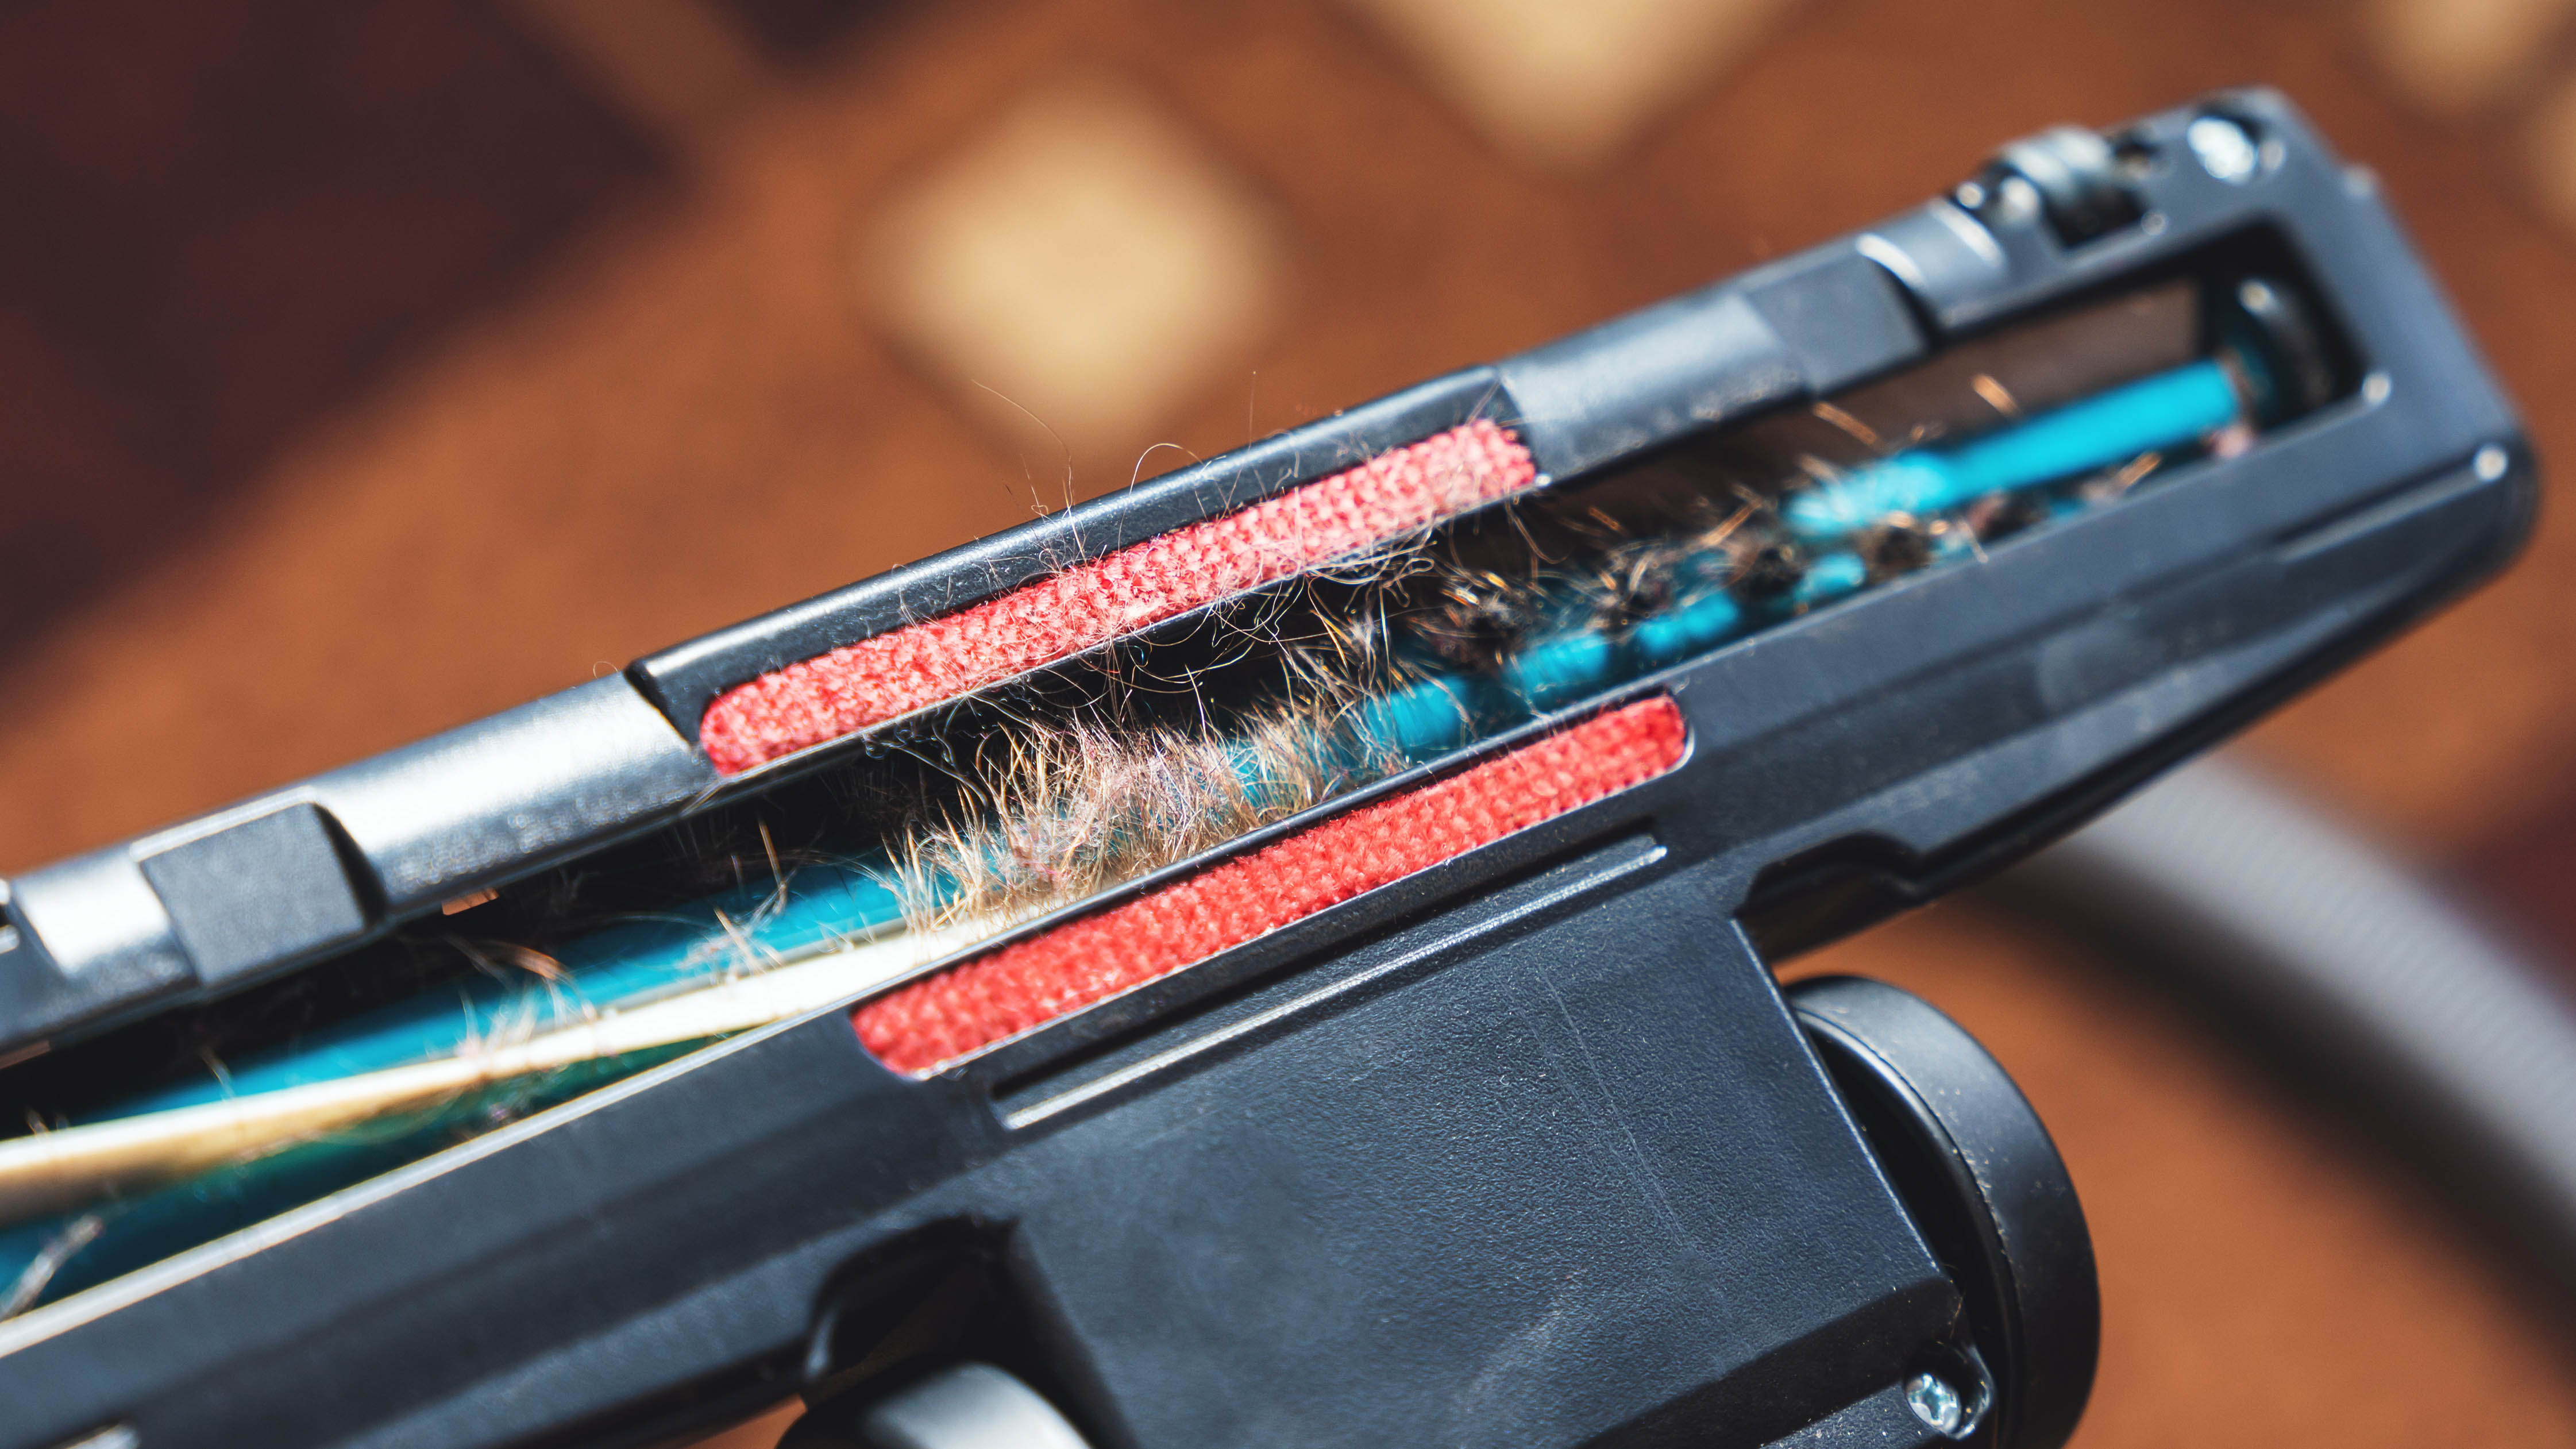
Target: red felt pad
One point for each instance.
(933, 1022)
(874, 680)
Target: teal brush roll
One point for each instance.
(2164, 411)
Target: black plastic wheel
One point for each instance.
(1985, 1185)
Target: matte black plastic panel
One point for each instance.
(461, 810)
(1881, 1421)
(1648, 378)
(1585, 1170)
(94, 943)
(1840, 314)
(257, 891)
(1796, 328)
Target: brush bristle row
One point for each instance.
(924, 1026)
(1364, 509)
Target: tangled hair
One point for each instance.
(1052, 815)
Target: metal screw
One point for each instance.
(2489, 463)
(2375, 388)
(2225, 151)
(1934, 1402)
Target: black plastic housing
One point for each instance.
(1526, 1150)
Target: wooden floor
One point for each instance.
(739, 385)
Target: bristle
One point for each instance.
(1997, 396)
(59, 1248)
(1055, 815)
(931, 1023)
(1349, 515)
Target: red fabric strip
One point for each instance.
(874, 680)
(931, 1023)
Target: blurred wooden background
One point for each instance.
(367, 367)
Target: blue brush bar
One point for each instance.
(2163, 411)
(693, 944)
